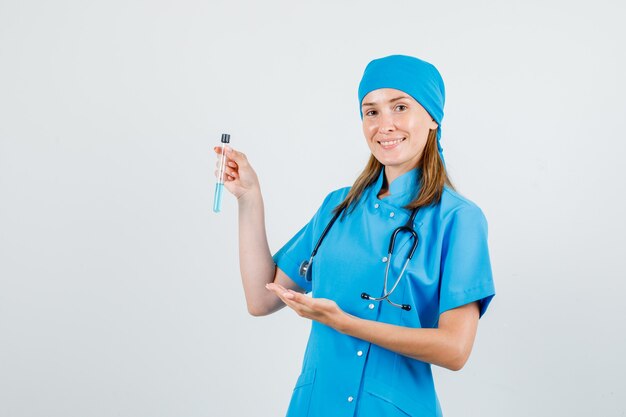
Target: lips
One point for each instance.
(390, 143)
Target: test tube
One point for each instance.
(219, 185)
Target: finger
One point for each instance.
(238, 157)
(300, 309)
(228, 176)
(273, 286)
(283, 289)
(232, 173)
(301, 299)
(218, 157)
(282, 295)
(230, 168)
(276, 288)
(286, 297)
(297, 297)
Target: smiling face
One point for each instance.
(396, 128)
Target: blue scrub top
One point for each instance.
(345, 376)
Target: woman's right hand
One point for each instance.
(239, 177)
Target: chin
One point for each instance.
(387, 161)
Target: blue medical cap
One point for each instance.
(417, 78)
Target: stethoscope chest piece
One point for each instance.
(304, 269)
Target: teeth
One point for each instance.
(391, 142)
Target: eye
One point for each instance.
(401, 107)
(371, 113)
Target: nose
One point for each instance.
(386, 123)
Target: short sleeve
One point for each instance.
(299, 247)
(465, 266)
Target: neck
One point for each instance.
(391, 173)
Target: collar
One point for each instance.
(402, 190)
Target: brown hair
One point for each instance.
(433, 179)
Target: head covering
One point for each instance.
(417, 78)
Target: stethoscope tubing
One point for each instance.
(408, 227)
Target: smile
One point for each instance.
(390, 143)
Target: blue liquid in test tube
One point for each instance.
(219, 186)
(217, 197)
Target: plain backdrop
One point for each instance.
(120, 292)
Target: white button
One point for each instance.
(384, 259)
(371, 306)
(359, 353)
(350, 399)
(376, 205)
(392, 214)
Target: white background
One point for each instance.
(119, 288)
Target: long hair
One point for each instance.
(434, 178)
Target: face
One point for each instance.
(396, 128)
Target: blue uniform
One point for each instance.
(345, 376)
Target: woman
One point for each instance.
(379, 320)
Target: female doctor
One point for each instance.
(380, 316)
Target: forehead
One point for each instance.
(384, 95)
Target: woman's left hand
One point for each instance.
(322, 310)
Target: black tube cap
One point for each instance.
(225, 138)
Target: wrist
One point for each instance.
(346, 323)
(251, 197)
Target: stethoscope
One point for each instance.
(305, 266)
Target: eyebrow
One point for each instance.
(390, 101)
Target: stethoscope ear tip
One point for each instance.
(365, 296)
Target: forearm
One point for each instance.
(443, 347)
(255, 259)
